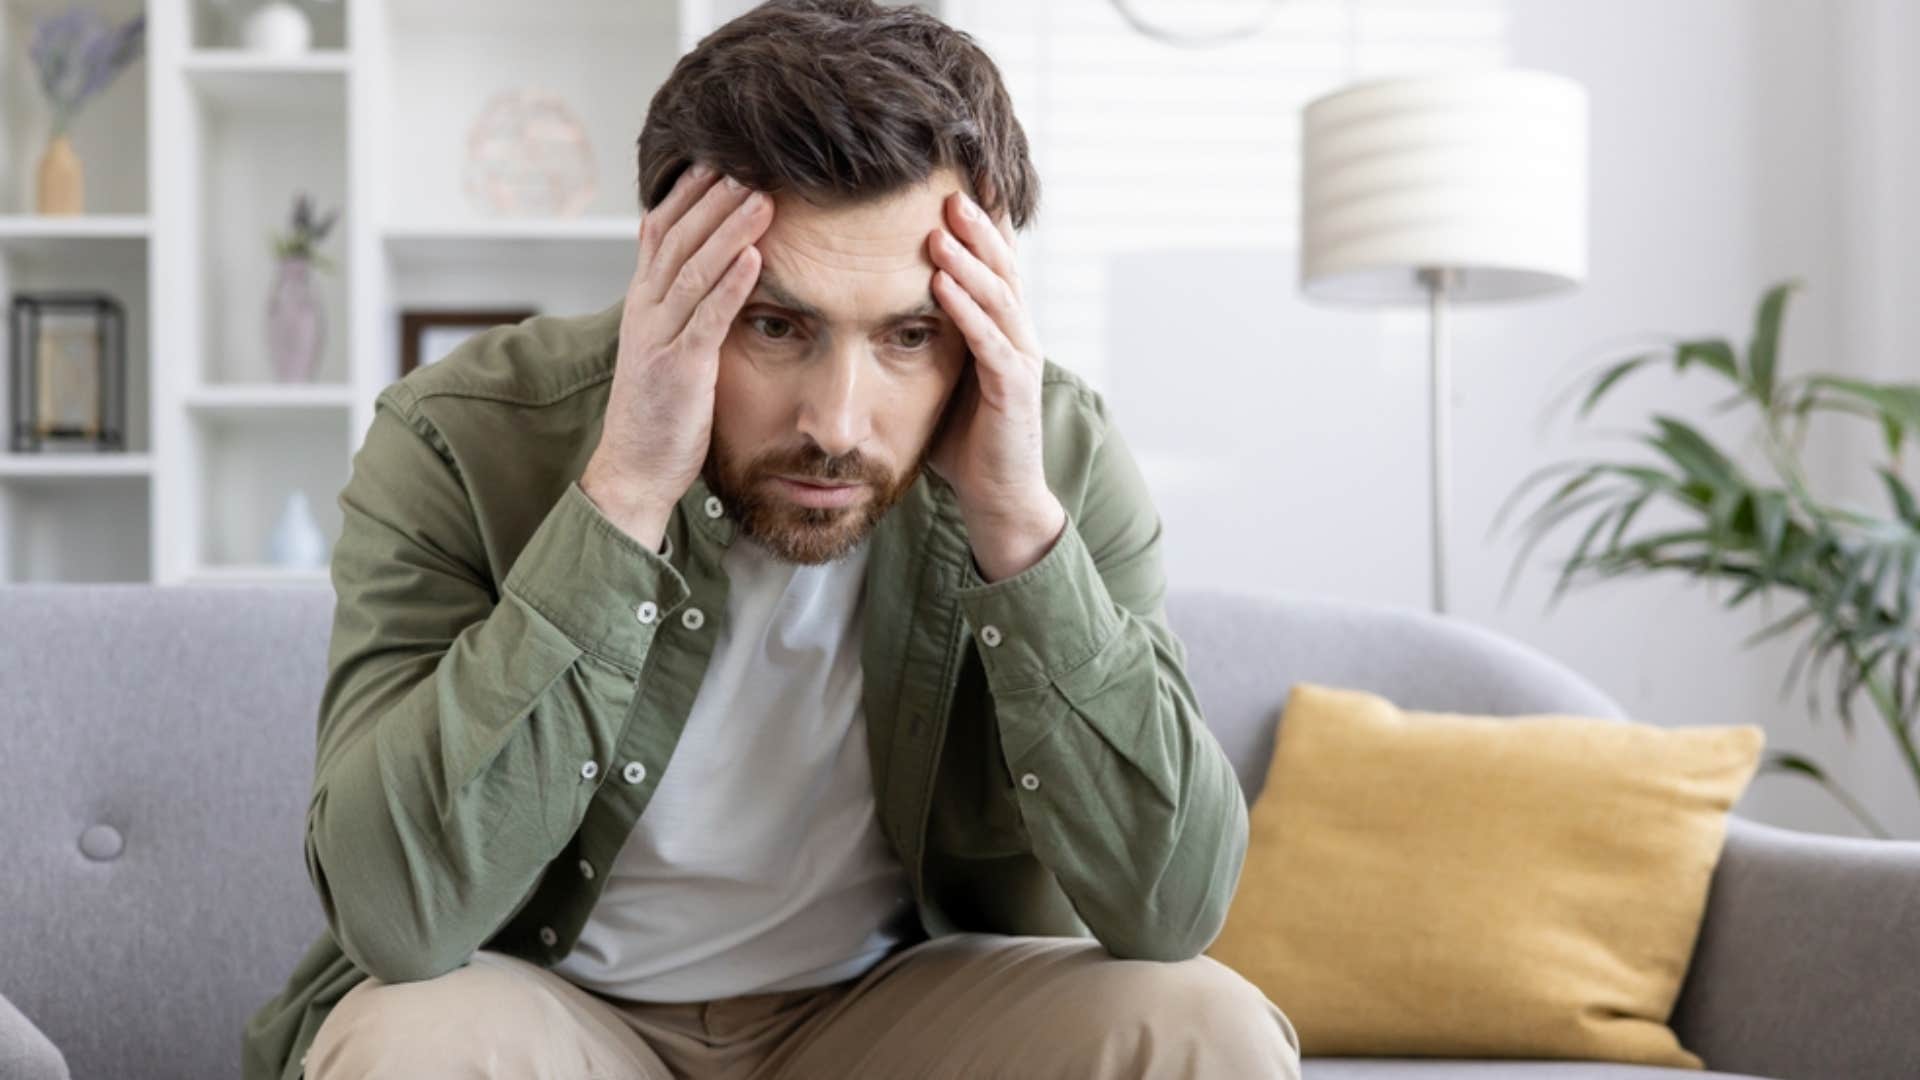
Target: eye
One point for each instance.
(909, 340)
(761, 324)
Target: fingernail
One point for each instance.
(972, 208)
(701, 170)
(735, 185)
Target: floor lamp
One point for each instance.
(1441, 189)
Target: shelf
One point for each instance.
(73, 466)
(209, 61)
(526, 251)
(233, 80)
(30, 230)
(74, 242)
(516, 230)
(244, 397)
(260, 573)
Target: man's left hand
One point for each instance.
(991, 449)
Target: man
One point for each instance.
(767, 676)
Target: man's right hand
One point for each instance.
(697, 265)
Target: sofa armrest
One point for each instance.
(1808, 963)
(25, 1052)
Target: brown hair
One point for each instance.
(840, 101)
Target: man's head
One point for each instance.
(859, 120)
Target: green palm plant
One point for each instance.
(1852, 577)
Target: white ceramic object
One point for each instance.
(278, 28)
(297, 541)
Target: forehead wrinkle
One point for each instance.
(784, 297)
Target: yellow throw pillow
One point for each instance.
(1436, 884)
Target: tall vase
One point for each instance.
(296, 329)
(63, 182)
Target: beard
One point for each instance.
(810, 535)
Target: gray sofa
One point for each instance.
(157, 753)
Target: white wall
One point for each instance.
(1734, 143)
(1730, 140)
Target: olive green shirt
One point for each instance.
(509, 673)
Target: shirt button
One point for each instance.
(634, 772)
(586, 869)
(1029, 781)
(990, 635)
(548, 937)
(714, 509)
(589, 770)
(647, 611)
(692, 618)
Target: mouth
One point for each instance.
(817, 494)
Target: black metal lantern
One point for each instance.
(68, 372)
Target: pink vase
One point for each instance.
(296, 327)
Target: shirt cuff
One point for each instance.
(602, 588)
(1043, 622)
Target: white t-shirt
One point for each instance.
(759, 863)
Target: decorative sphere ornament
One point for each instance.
(278, 28)
(529, 155)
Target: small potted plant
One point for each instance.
(77, 54)
(1850, 575)
(296, 327)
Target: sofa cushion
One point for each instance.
(1440, 884)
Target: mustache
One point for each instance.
(816, 464)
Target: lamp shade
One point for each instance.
(1481, 173)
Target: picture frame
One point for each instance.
(427, 335)
(67, 372)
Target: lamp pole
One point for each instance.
(1439, 425)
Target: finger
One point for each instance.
(987, 289)
(708, 326)
(987, 242)
(692, 230)
(702, 272)
(686, 190)
(993, 354)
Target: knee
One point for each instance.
(1225, 1020)
(433, 1027)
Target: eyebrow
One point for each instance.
(781, 297)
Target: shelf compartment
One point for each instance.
(246, 462)
(450, 58)
(216, 24)
(260, 135)
(55, 530)
(95, 258)
(110, 135)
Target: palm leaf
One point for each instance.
(1763, 352)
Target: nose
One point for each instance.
(833, 408)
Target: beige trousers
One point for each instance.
(964, 1005)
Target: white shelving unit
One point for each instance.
(193, 159)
